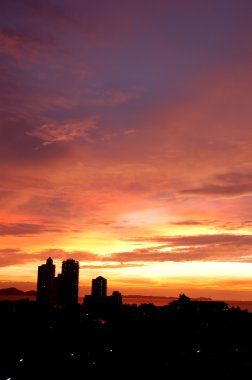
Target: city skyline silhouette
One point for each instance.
(125, 189)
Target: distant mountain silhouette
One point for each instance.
(16, 292)
(165, 297)
(142, 296)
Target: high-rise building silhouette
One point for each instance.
(69, 282)
(45, 283)
(99, 287)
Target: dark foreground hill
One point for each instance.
(188, 339)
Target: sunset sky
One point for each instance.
(126, 144)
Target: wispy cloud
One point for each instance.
(19, 44)
(56, 133)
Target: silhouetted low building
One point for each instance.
(98, 300)
(184, 303)
(117, 298)
(100, 304)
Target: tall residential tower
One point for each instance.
(45, 283)
(69, 282)
(61, 290)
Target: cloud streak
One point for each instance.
(25, 229)
(225, 185)
(214, 247)
(217, 247)
(231, 191)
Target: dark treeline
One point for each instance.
(185, 339)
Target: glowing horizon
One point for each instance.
(126, 144)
